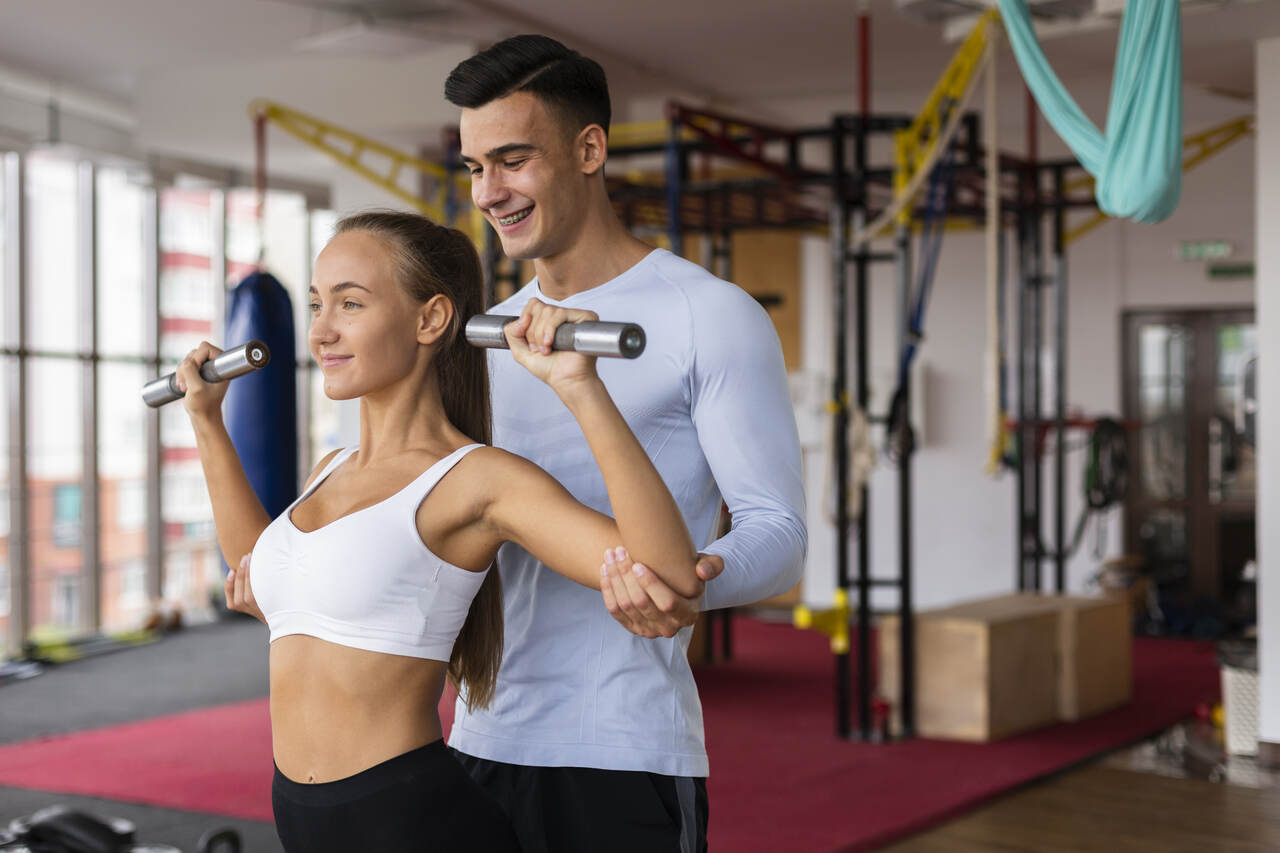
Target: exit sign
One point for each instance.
(1204, 250)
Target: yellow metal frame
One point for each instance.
(915, 144)
(330, 138)
(1196, 148)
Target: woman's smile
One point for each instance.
(329, 361)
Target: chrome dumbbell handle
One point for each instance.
(228, 365)
(599, 338)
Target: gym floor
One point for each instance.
(1101, 807)
(203, 666)
(1131, 800)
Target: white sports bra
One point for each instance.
(365, 580)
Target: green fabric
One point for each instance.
(1138, 164)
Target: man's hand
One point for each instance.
(239, 592)
(642, 603)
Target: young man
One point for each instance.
(594, 739)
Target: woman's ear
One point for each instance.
(435, 318)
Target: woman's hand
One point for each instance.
(642, 603)
(203, 399)
(530, 339)
(239, 592)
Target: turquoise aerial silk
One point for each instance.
(1138, 164)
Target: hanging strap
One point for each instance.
(1138, 163)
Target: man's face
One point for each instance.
(523, 175)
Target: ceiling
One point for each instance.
(734, 49)
(755, 55)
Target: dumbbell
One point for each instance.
(245, 358)
(611, 340)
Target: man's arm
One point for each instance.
(746, 426)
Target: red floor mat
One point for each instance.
(780, 780)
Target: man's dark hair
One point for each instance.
(565, 80)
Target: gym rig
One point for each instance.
(822, 180)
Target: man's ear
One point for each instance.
(435, 318)
(593, 148)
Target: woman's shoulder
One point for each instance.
(495, 460)
(492, 471)
(486, 476)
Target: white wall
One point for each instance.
(1268, 287)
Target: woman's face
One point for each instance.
(363, 324)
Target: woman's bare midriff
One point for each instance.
(336, 711)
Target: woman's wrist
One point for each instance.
(206, 423)
(580, 391)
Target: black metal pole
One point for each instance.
(1037, 380)
(490, 258)
(840, 397)
(676, 173)
(863, 393)
(1060, 381)
(906, 620)
(1024, 430)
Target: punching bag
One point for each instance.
(261, 408)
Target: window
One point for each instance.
(122, 312)
(194, 232)
(66, 601)
(133, 586)
(55, 440)
(8, 329)
(122, 447)
(66, 515)
(131, 505)
(177, 576)
(53, 292)
(55, 465)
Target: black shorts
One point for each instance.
(419, 801)
(571, 809)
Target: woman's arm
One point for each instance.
(238, 515)
(647, 521)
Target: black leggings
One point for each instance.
(419, 801)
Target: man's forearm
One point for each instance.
(762, 557)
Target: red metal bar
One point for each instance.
(260, 161)
(721, 139)
(864, 63)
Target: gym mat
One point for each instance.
(780, 780)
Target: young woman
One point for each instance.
(376, 582)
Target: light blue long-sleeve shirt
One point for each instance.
(709, 402)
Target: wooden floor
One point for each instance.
(1101, 808)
